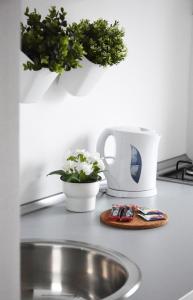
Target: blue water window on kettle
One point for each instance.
(136, 164)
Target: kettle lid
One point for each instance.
(138, 130)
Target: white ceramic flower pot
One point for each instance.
(80, 197)
(80, 81)
(34, 84)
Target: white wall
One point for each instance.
(149, 89)
(190, 114)
(9, 204)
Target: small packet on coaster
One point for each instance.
(127, 214)
(122, 213)
(115, 212)
(149, 211)
(152, 217)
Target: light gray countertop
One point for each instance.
(164, 255)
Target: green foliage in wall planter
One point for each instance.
(102, 42)
(48, 43)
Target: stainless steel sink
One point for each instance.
(72, 270)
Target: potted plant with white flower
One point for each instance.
(80, 177)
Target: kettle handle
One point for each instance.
(101, 142)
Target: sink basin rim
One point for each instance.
(134, 279)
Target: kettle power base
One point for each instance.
(131, 194)
(136, 223)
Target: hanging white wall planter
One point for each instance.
(80, 81)
(34, 84)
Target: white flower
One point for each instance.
(95, 158)
(85, 167)
(81, 151)
(83, 161)
(101, 165)
(69, 166)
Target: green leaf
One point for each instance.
(58, 172)
(73, 178)
(45, 60)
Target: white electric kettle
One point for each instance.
(132, 171)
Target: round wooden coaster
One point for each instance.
(136, 223)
